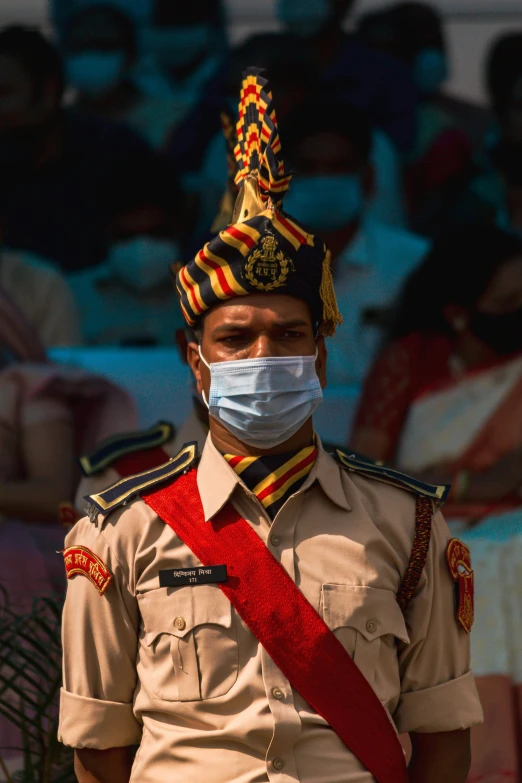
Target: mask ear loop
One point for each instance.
(206, 365)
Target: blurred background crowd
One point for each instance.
(114, 165)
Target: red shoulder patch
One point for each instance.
(459, 561)
(80, 560)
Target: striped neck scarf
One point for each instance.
(272, 479)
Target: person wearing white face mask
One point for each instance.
(239, 614)
(332, 193)
(129, 298)
(111, 79)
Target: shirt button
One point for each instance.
(278, 694)
(278, 763)
(180, 623)
(389, 639)
(275, 540)
(371, 626)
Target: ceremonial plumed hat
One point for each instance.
(263, 250)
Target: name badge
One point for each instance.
(199, 575)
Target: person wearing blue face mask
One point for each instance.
(238, 579)
(110, 79)
(347, 69)
(128, 299)
(449, 131)
(331, 192)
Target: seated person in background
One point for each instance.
(189, 42)
(51, 163)
(350, 71)
(47, 412)
(444, 398)
(440, 163)
(130, 297)
(330, 147)
(41, 293)
(345, 69)
(502, 187)
(101, 57)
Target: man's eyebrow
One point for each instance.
(290, 324)
(231, 326)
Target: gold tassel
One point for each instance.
(248, 203)
(332, 318)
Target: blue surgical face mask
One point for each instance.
(325, 203)
(303, 17)
(263, 402)
(430, 70)
(143, 262)
(95, 73)
(177, 47)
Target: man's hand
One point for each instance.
(103, 766)
(445, 756)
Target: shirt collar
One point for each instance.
(217, 481)
(328, 473)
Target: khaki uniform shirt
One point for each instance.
(202, 697)
(192, 429)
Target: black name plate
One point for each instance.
(198, 575)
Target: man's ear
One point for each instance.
(194, 362)
(320, 362)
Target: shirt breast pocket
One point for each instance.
(191, 638)
(369, 623)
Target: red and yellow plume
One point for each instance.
(261, 172)
(239, 261)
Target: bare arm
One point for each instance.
(48, 456)
(445, 756)
(103, 766)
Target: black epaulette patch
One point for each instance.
(372, 469)
(124, 490)
(125, 443)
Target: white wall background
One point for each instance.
(472, 25)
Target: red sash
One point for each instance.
(286, 624)
(139, 461)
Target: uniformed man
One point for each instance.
(265, 612)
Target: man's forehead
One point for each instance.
(277, 309)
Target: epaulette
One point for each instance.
(125, 443)
(379, 472)
(124, 490)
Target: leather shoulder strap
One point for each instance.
(286, 624)
(119, 446)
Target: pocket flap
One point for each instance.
(371, 611)
(178, 610)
